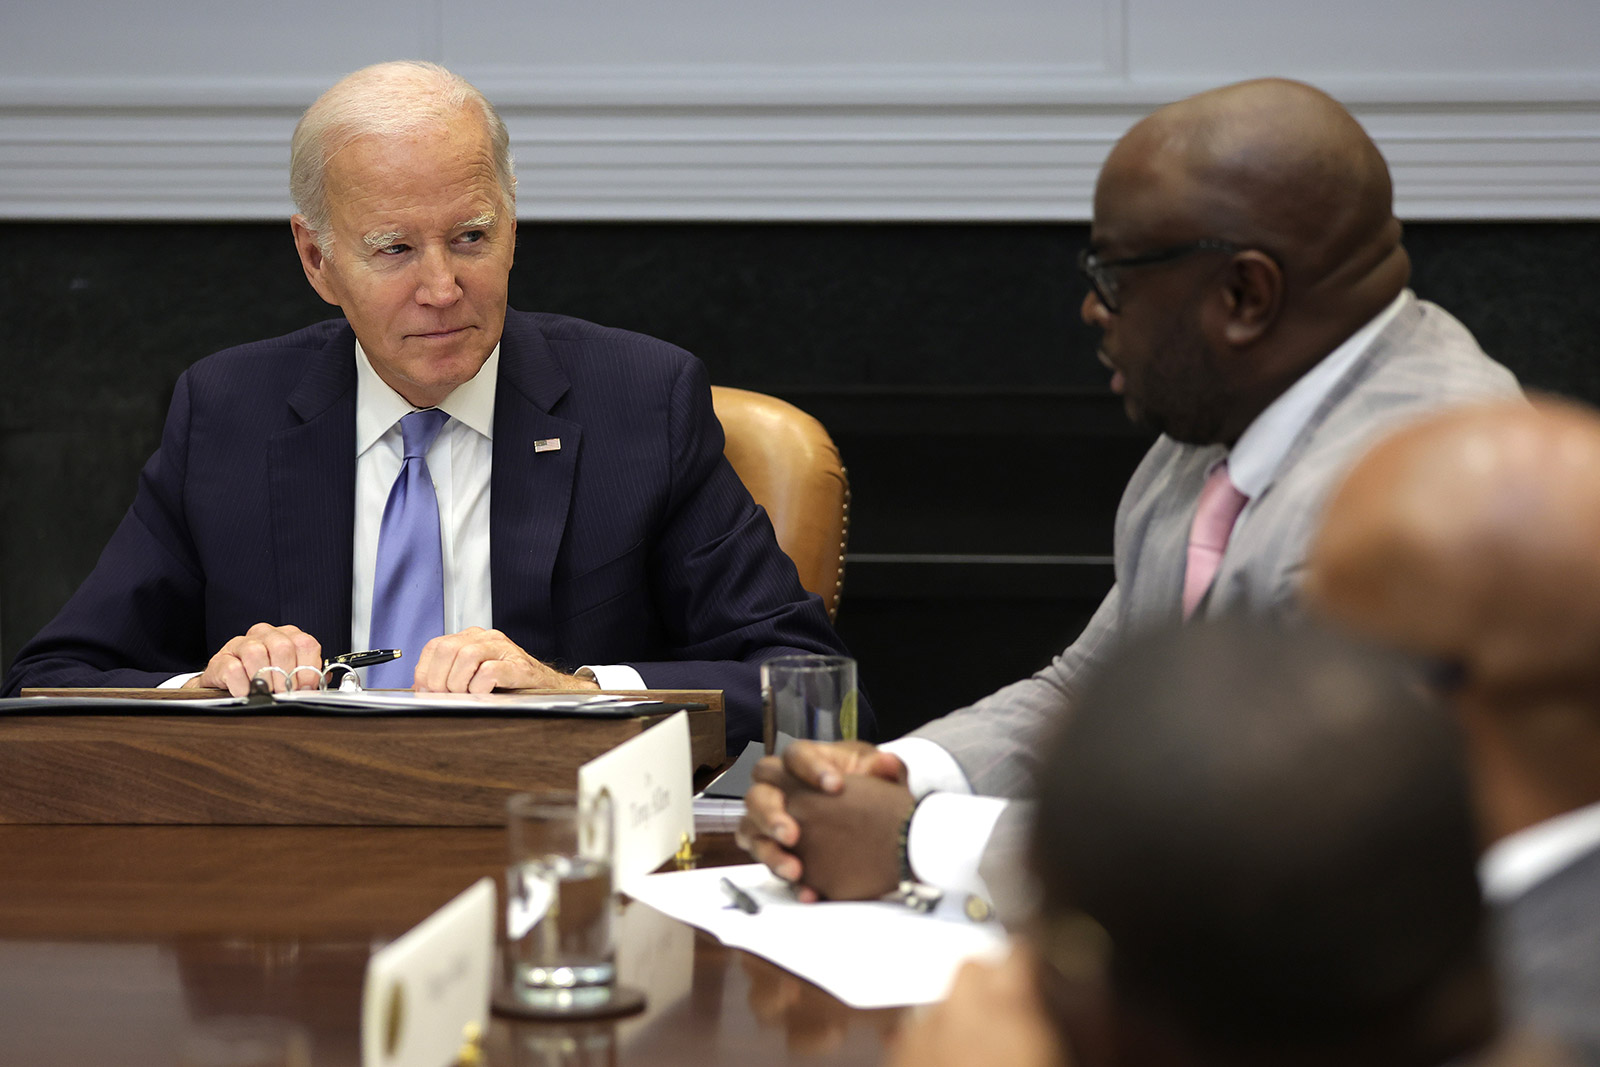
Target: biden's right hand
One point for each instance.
(263, 645)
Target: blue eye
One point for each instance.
(393, 250)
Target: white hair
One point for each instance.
(384, 99)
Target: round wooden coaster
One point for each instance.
(623, 1000)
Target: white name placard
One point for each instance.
(649, 780)
(425, 989)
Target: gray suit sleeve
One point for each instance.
(996, 741)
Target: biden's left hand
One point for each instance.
(480, 661)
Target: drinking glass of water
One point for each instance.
(809, 698)
(559, 902)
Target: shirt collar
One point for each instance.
(378, 407)
(1518, 862)
(1259, 452)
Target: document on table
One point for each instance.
(719, 807)
(378, 702)
(404, 700)
(869, 955)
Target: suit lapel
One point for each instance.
(1378, 352)
(1254, 540)
(311, 482)
(530, 489)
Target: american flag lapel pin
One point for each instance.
(547, 444)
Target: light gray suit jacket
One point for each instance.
(1423, 360)
(1549, 943)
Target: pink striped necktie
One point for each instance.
(1219, 507)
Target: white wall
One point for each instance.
(772, 109)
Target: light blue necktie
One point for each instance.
(408, 588)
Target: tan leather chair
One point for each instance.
(789, 464)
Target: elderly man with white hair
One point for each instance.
(512, 499)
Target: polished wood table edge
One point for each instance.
(198, 881)
(166, 763)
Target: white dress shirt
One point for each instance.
(948, 834)
(460, 463)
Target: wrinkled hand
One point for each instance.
(993, 1014)
(263, 645)
(480, 661)
(768, 830)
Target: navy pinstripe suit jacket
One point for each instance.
(635, 542)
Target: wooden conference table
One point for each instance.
(131, 944)
(120, 944)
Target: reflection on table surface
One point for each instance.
(126, 945)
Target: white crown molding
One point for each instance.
(801, 143)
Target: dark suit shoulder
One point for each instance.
(1564, 904)
(256, 364)
(1550, 944)
(565, 328)
(569, 337)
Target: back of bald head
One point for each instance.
(1282, 166)
(1274, 831)
(1474, 537)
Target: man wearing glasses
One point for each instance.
(1247, 277)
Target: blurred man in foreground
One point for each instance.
(1259, 843)
(1473, 540)
(1249, 282)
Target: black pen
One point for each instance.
(741, 900)
(363, 659)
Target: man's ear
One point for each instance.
(313, 260)
(1252, 296)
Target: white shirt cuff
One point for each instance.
(929, 768)
(946, 841)
(613, 676)
(177, 680)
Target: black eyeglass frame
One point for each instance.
(1104, 282)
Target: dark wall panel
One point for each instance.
(948, 361)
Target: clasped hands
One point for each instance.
(472, 661)
(826, 817)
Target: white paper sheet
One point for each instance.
(464, 703)
(717, 815)
(869, 955)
